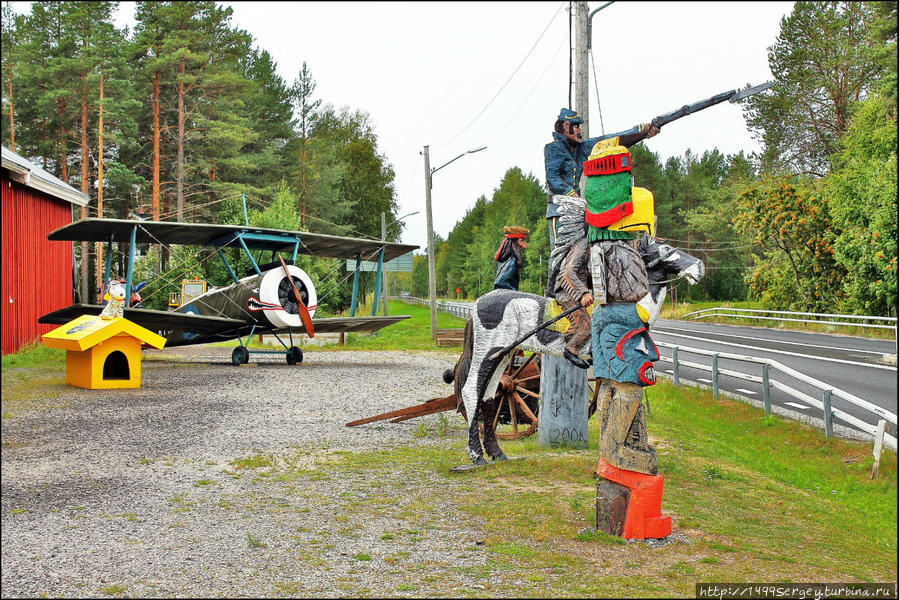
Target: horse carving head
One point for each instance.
(665, 262)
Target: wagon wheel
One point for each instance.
(593, 394)
(516, 384)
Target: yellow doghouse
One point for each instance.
(101, 353)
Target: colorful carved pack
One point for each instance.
(613, 204)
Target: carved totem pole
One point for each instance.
(629, 496)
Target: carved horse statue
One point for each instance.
(501, 317)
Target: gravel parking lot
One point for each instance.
(135, 493)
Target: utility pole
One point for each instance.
(432, 283)
(581, 76)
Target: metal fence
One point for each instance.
(463, 312)
(767, 382)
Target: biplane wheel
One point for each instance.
(294, 355)
(240, 356)
(518, 395)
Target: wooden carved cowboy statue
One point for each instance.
(510, 258)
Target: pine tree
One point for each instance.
(10, 49)
(305, 107)
(823, 65)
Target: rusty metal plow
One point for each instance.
(520, 380)
(420, 410)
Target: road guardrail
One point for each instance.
(756, 313)
(767, 382)
(463, 312)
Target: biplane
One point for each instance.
(274, 298)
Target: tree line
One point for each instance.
(185, 116)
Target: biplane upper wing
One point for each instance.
(202, 234)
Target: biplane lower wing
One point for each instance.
(156, 320)
(181, 329)
(349, 324)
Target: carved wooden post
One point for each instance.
(563, 404)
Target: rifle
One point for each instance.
(732, 95)
(543, 325)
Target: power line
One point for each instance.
(693, 243)
(539, 80)
(413, 173)
(540, 37)
(725, 249)
(596, 85)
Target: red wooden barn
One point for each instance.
(37, 273)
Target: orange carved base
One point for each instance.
(643, 518)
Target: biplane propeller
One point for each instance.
(273, 298)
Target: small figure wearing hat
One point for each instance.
(510, 258)
(564, 158)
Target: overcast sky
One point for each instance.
(458, 76)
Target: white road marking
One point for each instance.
(703, 380)
(744, 346)
(669, 371)
(746, 337)
(745, 391)
(796, 405)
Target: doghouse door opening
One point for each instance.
(116, 366)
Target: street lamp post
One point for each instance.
(432, 281)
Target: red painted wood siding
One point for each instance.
(37, 273)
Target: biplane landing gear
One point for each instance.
(294, 355)
(240, 356)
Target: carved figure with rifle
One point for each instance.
(618, 282)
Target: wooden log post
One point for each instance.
(563, 404)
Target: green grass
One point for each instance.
(409, 334)
(113, 590)
(34, 355)
(33, 378)
(756, 498)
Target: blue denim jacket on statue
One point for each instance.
(564, 164)
(506, 275)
